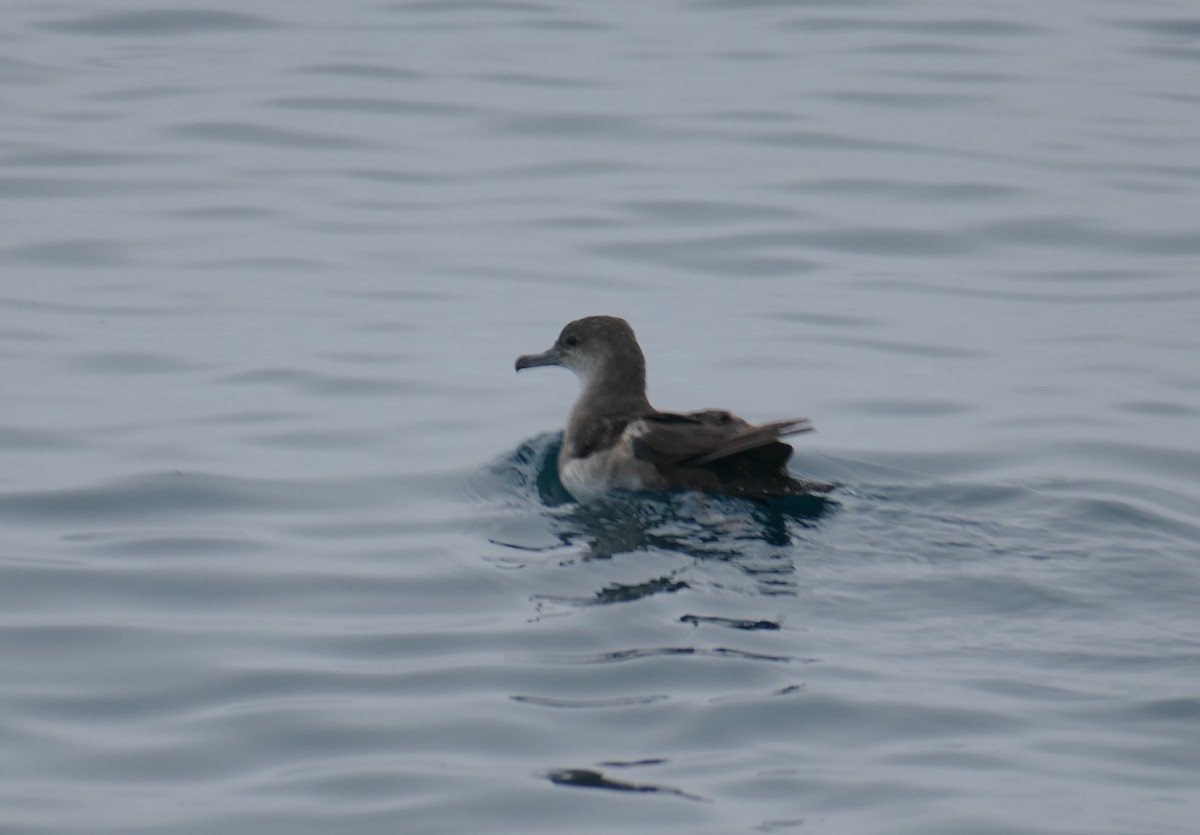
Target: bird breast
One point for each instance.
(609, 468)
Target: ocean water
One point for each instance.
(283, 547)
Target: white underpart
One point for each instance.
(614, 468)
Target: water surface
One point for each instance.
(284, 549)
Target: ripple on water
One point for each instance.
(73, 253)
(153, 23)
(161, 495)
(262, 134)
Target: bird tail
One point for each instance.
(751, 437)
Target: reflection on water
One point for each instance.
(695, 524)
(587, 778)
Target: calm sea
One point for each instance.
(283, 549)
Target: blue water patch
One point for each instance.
(692, 523)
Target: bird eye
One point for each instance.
(572, 341)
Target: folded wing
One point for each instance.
(700, 438)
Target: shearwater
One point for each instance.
(615, 440)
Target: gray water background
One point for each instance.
(282, 548)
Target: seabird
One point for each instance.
(615, 440)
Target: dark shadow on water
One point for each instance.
(620, 592)
(590, 779)
(624, 592)
(732, 623)
(699, 525)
